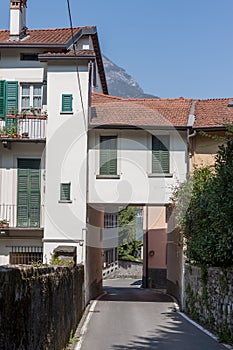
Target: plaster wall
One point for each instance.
(12, 68)
(9, 173)
(66, 157)
(136, 184)
(204, 149)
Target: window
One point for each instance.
(29, 56)
(67, 103)
(26, 255)
(160, 154)
(108, 155)
(31, 97)
(110, 220)
(28, 193)
(65, 192)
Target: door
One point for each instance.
(28, 198)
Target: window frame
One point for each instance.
(31, 96)
(61, 198)
(112, 157)
(63, 110)
(164, 153)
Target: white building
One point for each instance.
(46, 77)
(64, 164)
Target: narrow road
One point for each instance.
(129, 317)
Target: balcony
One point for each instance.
(21, 218)
(27, 127)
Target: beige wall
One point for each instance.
(154, 222)
(204, 149)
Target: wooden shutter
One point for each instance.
(160, 154)
(2, 98)
(108, 155)
(11, 96)
(11, 104)
(67, 101)
(28, 203)
(65, 192)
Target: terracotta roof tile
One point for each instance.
(112, 110)
(42, 36)
(213, 113)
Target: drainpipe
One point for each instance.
(146, 250)
(85, 229)
(191, 120)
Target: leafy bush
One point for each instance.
(204, 207)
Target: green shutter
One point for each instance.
(160, 154)
(2, 98)
(108, 155)
(67, 101)
(65, 192)
(11, 96)
(11, 104)
(28, 203)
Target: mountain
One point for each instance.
(120, 83)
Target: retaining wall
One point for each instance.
(39, 307)
(208, 298)
(128, 269)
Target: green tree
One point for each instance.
(127, 224)
(204, 206)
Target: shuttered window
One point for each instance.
(67, 103)
(8, 97)
(65, 192)
(108, 155)
(28, 201)
(160, 154)
(2, 98)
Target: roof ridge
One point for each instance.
(215, 99)
(107, 96)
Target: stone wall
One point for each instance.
(39, 307)
(128, 269)
(208, 298)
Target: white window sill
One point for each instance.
(108, 177)
(160, 175)
(71, 112)
(64, 201)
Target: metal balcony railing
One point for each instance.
(31, 127)
(15, 216)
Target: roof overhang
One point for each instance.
(138, 127)
(60, 57)
(210, 128)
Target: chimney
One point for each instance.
(17, 19)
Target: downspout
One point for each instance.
(191, 120)
(146, 250)
(85, 230)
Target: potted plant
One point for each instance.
(4, 133)
(23, 113)
(4, 223)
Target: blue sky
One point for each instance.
(171, 47)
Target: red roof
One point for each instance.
(43, 36)
(117, 111)
(213, 113)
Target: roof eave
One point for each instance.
(32, 45)
(82, 31)
(210, 128)
(137, 127)
(46, 58)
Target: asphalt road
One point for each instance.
(129, 317)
